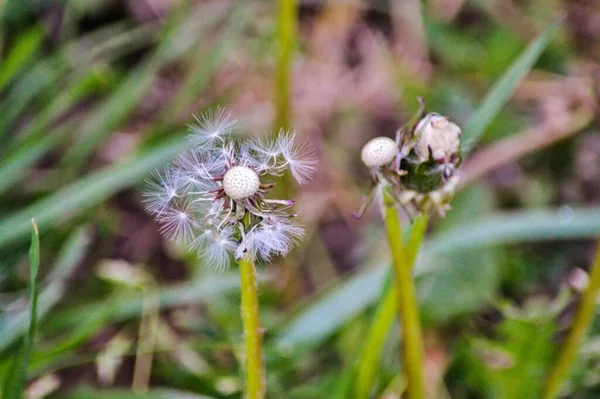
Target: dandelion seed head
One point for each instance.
(240, 182)
(212, 199)
(379, 151)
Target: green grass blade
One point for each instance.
(86, 192)
(200, 290)
(34, 265)
(79, 86)
(332, 310)
(14, 325)
(21, 54)
(24, 91)
(319, 320)
(15, 166)
(81, 322)
(16, 377)
(198, 77)
(521, 226)
(102, 46)
(501, 91)
(126, 98)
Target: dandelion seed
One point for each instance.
(212, 127)
(299, 156)
(217, 252)
(161, 190)
(177, 223)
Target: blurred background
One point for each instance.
(95, 95)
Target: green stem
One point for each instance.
(412, 342)
(583, 318)
(384, 317)
(253, 354)
(287, 11)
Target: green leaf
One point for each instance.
(501, 91)
(16, 377)
(333, 309)
(513, 227)
(522, 352)
(328, 313)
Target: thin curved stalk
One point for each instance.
(412, 339)
(384, 317)
(584, 316)
(287, 11)
(253, 346)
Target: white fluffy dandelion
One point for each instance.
(213, 198)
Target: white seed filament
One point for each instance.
(240, 182)
(379, 151)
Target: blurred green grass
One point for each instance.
(63, 101)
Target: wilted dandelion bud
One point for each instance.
(419, 167)
(379, 151)
(438, 139)
(435, 156)
(214, 200)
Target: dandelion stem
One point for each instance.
(253, 351)
(412, 342)
(583, 318)
(384, 317)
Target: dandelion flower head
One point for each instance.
(214, 199)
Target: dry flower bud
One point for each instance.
(438, 137)
(419, 167)
(379, 151)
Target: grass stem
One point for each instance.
(287, 11)
(253, 353)
(412, 342)
(583, 317)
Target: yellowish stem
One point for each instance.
(412, 342)
(287, 11)
(583, 318)
(253, 354)
(384, 317)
